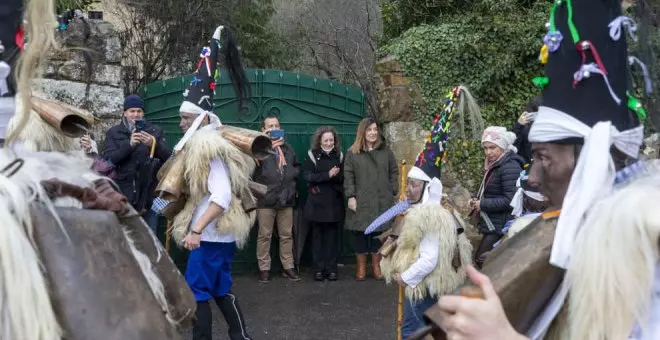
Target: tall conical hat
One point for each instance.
(586, 100)
(458, 101)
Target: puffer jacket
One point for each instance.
(499, 191)
(281, 183)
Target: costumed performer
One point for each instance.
(527, 204)
(52, 250)
(213, 223)
(599, 136)
(426, 251)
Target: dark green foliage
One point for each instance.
(64, 5)
(489, 46)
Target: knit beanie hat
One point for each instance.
(133, 101)
(499, 136)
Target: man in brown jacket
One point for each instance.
(279, 173)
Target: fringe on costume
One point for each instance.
(201, 149)
(425, 220)
(154, 281)
(612, 267)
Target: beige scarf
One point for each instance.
(277, 146)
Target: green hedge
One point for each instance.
(495, 56)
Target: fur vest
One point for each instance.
(204, 146)
(423, 220)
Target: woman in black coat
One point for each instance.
(492, 205)
(323, 172)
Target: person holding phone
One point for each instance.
(522, 126)
(88, 145)
(128, 145)
(279, 173)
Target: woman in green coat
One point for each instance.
(370, 185)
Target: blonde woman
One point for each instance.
(370, 185)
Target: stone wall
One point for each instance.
(652, 146)
(87, 72)
(398, 95)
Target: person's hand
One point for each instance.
(135, 138)
(192, 241)
(523, 119)
(474, 318)
(86, 144)
(474, 204)
(333, 172)
(398, 279)
(352, 204)
(145, 138)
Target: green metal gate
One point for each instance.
(301, 102)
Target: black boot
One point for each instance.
(203, 323)
(228, 305)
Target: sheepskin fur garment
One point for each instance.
(204, 146)
(423, 220)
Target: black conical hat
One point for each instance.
(430, 159)
(201, 89)
(589, 99)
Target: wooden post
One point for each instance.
(168, 239)
(403, 182)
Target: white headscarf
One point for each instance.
(594, 172)
(518, 198)
(499, 136)
(188, 107)
(433, 189)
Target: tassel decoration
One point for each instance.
(585, 46)
(647, 77)
(586, 71)
(541, 82)
(617, 25)
(636, 106)
(543, 55)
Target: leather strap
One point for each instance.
(102, 197)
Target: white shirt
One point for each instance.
(219, 188)
(429, 252)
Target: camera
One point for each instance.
(139, 125)
(276, 134)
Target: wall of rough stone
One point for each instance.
(652, 144)
(87, 72)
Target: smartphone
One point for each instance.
(531, 116)
(139, 125)
(276, 134)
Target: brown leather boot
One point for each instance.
(361, 274)
(375, 266)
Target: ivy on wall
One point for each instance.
(494, 55)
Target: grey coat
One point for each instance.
(372, 178)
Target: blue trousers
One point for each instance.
(413, 314)
(209, 270)
(151, 218)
